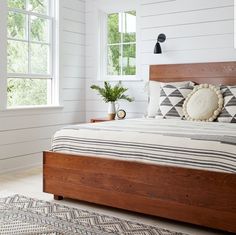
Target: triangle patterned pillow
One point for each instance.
(171, 101)
(228, 113)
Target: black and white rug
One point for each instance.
(22, 215)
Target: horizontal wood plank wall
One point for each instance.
(197, 31)
(25, 134)
(95, 107)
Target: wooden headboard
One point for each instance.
(212, 73)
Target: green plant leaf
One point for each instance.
(112, 94)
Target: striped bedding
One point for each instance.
(208, 146)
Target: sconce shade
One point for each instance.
(157, 49)
(161, 38)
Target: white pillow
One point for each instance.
(154, 95)
(204, 103)
(228, 113)
(171, 101)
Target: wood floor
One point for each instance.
(29, 183)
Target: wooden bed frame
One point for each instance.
(195, 196)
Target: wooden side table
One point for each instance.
(93, 120)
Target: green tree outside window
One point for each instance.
(121, 47)
(27, 91)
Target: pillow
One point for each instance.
(154, 94)
(204, 103)
(228, 113)
(171, 101)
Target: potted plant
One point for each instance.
(112, 94)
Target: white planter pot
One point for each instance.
(111, 110)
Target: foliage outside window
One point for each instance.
(29, 52)
(121, 44)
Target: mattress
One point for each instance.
(199, 145)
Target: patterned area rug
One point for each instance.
(22, 215)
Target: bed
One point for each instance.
(199, 189)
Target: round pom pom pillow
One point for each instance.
(204, 103)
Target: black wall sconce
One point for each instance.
(161, 38)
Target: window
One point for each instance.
(29, 52)
(119, 61)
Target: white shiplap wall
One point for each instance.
(95, 107)
(197, 31)
(24, 134)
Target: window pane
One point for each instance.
(128, 60)
(39, 59)
(17, 57)
(38, 6)
(113, 60)
(129, 26)
(20, 4)
(39, 29)
(16, 23)
(21, 92)
(113, 28)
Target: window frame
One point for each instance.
(55, 63)
(103, 52)
(3, 53)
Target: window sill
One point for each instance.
(124, 78)
(34, 107)
(30, 110)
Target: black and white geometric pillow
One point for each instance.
(171, 101)
(228, 113)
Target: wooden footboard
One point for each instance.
(194, 196)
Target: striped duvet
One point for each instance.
(208, 146)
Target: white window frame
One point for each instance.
(3, 53)
(55, 62)
(103, 76)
